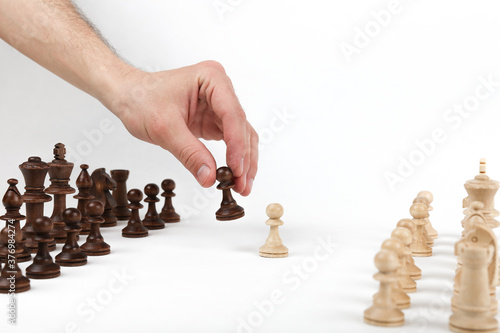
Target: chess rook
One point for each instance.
(168, 214)
(152, 220)
(229, 209)
(120, 194)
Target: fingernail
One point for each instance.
(203, 174)
(242, 163)
(250, 184)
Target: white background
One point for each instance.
(349, 124)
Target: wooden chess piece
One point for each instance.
(134, 228)
(43, 267)
(419, 213)
(12, 275)
(95, 244)
(483, 189)
(152, 220)
(84, 184)
(71, 254)
(415, 272)
(168, 214)
(12, 202)
(428, 238)
(34, 172)
(102, 184)
(429, 197)
(401, 298)
(59, 172)
(229, 209)
(274, 248)
(120, 194)
(384, 311)
(408, 284)
(472, 306)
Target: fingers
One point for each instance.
(254, 158)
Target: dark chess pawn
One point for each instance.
(120, 194)
(84, 184)
(71, 254)
(43, 267)
(101, 187)
(229, 209)
(168, 213)
(12, 202)
(13, 276)
(152, 220)
(134, 228)
(95, 244)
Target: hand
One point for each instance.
(174, 108)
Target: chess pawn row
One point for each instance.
(401, 298)
(415, 272)
(402, 234)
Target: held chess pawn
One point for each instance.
(430, 229)
(84, 184)
(401, 298)
(428, 238)
(71, 254)
(20, 282)
(135, 228)
(152, 220)
(415, 272)
(95, 244)
(384, 311)
(419, 213)
(407, 282)
(43, 267)
(168, 213)
(229, 209)
(274, 248)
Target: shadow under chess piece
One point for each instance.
(229, 209)
(120, 194)
(415, 272)
(95, 244)
(274, 248)
(420, 248)
(430, 229)
(71, 254)
(84, 185)
(152, 220)
(134, 228)
(168, 214)
(12, 275)
(43, 267)
(384, 311)
(102, 184)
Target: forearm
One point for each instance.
(52, 33)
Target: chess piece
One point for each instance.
(134, 228)
(43, 267)
(84, 184)
(12, 275)
(476, 216)
(274, 248)
(102, 184)
(152, 220)
(384, 311)
(483, 189)
(401, 298)
(34, 172)
(229, 209)
(59, 172)
(419, 213)
(415, 272)
(71, 254)
(429, 240)
(12, 202)
(120, 194)
(472, 306)
(95, 244)
(402, 234)
(429, 197)
(168, 214)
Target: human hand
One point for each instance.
(174, 108)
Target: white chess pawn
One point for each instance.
(274, 248)
(430, 229)
(419, 213)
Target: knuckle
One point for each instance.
(212, 67)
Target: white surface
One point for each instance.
(326, 166)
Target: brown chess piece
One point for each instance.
(59, 172)
(404, 235)
(168, 214)
(12, 275)
(43, 267)
(34, 172)
(102, 184)
(274, 248)
(415, 272)
(71, 254)
(229, 209)
(13, 201)
(152, 220)
(420, 248)
(401, 298)
(95, 244)
(134, 228)
(84, 184)
(384, 311)
(120, 194)
(429, 197)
